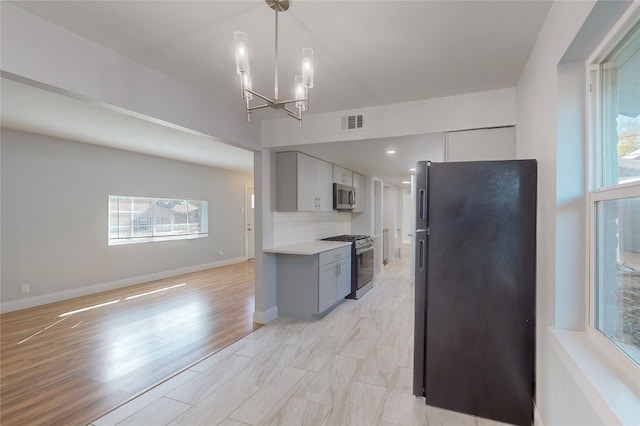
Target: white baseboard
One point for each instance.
(269, 315)
(30, 302)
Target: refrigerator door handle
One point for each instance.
(421, 255)
(422, 203)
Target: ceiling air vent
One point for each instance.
(352, 122)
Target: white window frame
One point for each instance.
(616, 193)
(624, 364)
(136, 240)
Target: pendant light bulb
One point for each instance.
(246, 80)
(242, 54)
(307, 67)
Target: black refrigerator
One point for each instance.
(475, 291)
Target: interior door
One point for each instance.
(480, 316)
(249, 209)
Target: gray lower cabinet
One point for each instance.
(310, 285)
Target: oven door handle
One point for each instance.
(360, 251)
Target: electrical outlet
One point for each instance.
(220, 254)
(24, 289)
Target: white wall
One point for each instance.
(265, 263)
(551, 128)
(536, 136)
(461, 112)
(407, 213)
(571, 221)
(54, 217)
(363, 223)
(498, 143)
(300, 227)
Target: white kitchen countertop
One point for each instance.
(309, 248)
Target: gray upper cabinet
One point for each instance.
(342, 176)
(358, 183)
(303, 183)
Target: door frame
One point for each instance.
(245, 209)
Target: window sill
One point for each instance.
(123, 241)
(614, 394)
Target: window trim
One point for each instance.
(602, 342)
(629, 370)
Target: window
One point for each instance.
(615, 197)
(140, 219)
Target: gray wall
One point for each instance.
(54, 215)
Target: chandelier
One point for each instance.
(302, 83)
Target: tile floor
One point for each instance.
(352, 367)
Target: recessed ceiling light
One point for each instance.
(413, 169)
(391, 151)
(406, 182)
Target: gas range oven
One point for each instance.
(362, 247)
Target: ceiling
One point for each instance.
(44, 111)
(366, 53)
(391, 168)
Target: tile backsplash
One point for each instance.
(300, 227)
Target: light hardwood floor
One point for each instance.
(352, 367)
(58, 367)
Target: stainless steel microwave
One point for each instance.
(344, 197)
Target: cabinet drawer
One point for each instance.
(334, 255)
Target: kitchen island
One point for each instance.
(313, 277)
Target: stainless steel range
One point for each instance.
(362, 247)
